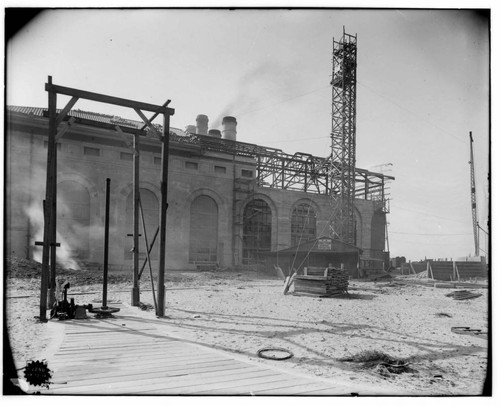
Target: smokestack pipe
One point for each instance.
(190, 129)
(214, 133)
(202, 124)
(229, 128)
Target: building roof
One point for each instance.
(87, 115)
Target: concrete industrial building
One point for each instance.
(230, 202)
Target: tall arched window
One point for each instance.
(203, 230)
(256, 230)
(73, 219)
(303, 225)
(150, 209)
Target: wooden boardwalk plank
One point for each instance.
(125, 357)
(166, 360)
(188, 385)
(246, 386)
(325, 392)
(130, 355)
(158, 371)
(297, 387)
(129, 351)
(133, 384)
(65, 374)
(152, 376)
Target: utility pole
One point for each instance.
(473, 198)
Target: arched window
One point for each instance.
(203, 230)
(73, 219)
(150, 209)
(256, 230)
(303, 224)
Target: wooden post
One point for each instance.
(45, 262)
(48, 207)
(53, 206)
(135, 286)
(163, 214)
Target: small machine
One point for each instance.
(64, 310)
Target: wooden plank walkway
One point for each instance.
(129, 355)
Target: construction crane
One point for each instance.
(473, 198)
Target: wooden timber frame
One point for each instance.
(48, 279)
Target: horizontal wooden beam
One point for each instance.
(49, 87)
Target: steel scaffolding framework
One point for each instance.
(343, 138)
(298, 172)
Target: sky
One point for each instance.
(423, 85)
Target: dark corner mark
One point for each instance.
(10, 375)
(18, 18)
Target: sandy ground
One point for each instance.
(244, 312)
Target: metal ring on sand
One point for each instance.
(261, 353)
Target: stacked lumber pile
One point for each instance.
(322, 282)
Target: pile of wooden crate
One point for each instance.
(328, 281)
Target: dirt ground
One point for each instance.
(243, 312)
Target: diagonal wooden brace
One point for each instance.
(148, 123)
(128, 143)
(66, 127)
(65, 110)
(156, 114)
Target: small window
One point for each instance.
(91, 151)
(126, 156)
(220, 169)
(46, 145)
(246, 173)
(157, 160)
(192, 165)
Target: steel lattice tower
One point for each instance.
(343, 138)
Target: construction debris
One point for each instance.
(463, 295)
(382, 363)
(469, 331)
